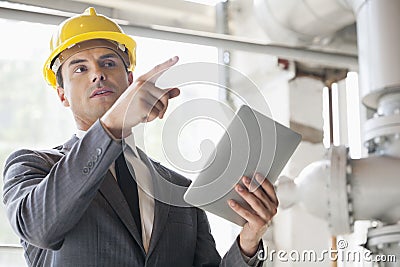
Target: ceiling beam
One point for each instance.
(204, 38)
(136, 12)
(72, 6)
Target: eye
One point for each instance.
(80, 69)
(109, 64)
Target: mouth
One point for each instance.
(100, 92)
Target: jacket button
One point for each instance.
(85, 170)
(90, 164)
(98, 151)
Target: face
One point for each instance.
(93, 81)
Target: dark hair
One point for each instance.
(59, 78)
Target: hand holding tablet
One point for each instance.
(253, 143)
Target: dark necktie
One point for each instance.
(129, 188)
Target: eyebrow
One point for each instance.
(106, 56)
(110, 55)
(76, 61)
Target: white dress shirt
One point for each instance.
(145, 186)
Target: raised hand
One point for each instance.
(142, 101)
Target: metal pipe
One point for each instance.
(330, 111)
(359, 189)
(378, 49)
(204, 38)
(302, 23)
(6, 248)
(374, 189)
(379, 79)
(224, 55)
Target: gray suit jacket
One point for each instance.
(69, 211)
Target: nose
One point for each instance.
(98, 75)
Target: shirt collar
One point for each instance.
(80, 133)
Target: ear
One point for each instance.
(130, 77)
(61, 95)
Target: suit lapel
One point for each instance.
(161, 209)
(110, 190)
(112, 193)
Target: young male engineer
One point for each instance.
(78, 204)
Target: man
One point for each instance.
(77, 204)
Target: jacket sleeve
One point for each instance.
(207, 255)
(45, 198)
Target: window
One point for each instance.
(31, 116)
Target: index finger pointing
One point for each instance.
(158, 70)
(173, 92)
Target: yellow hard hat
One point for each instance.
(85, 27)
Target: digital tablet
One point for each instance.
(251, 143)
